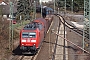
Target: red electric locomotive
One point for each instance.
(32, 35)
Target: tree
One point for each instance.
(24, 9)
(76, 3)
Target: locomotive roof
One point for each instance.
(35, 24)
(41, 21)
(31, 26)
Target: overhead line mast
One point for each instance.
(86, 24)
(11, 27)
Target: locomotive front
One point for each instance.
(32, 35)
(29, 39)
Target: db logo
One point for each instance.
(28, 40)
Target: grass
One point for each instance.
(17, 25)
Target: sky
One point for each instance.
(45, 0)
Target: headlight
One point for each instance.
(23, 40)
(33, 40)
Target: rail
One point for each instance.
(58, 35)
(71, 42)
(72, 27)
(53, 57)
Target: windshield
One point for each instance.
(28, 35)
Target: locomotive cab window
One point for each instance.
(32, 35)
(28, 35)
(25, 34)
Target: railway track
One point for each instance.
(60, 44)
(17, 55)
(56, 42)
(23, 57)
(27, 58)
(77, 30)
(74, 29)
